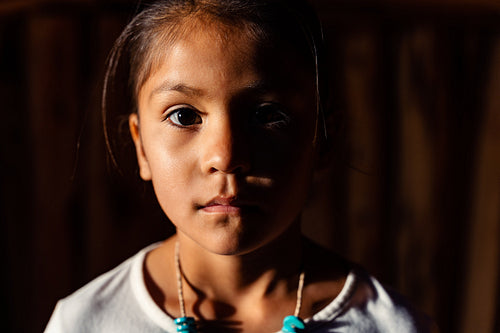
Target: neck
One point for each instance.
(271, 268)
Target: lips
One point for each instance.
(222, 209)
(224, 205)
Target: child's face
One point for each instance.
(226, 134)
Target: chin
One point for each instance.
(236, 244)
(235, 236)
(230, 246)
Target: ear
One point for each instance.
(135, 132)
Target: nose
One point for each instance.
(226, 148)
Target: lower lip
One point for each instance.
(222, 209)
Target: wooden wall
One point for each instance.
(412, 193)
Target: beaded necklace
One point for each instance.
(185, 324)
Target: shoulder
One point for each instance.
(384, 308)
(364, 305)
(360, 303)
(103, 302)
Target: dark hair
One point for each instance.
(271, 22)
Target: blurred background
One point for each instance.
(412, 193)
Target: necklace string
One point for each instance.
(295, 325)
(300, 291)
(178, 271)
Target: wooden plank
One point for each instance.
(419, 95)
(482, 280)
(52, 92)
(364, 211)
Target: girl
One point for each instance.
(227, 121)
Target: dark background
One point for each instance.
(413, 191)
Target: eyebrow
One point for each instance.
(179, 87)
(258, 86)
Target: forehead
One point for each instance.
(216, 41)
(201, 48)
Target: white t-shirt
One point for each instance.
(118, 301)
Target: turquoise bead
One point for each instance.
(184, 320)
(185, 325)
(292, 324)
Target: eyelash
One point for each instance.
(260, 117)
(275, 110)
(173, 117)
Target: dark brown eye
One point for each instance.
(270, 115)
(184, 117)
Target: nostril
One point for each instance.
(225, 151)
(237, 168)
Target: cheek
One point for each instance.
(168, 183)
(291, 154)
(297, 160)
(290, 163)
(296, 171)
(172, 168)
